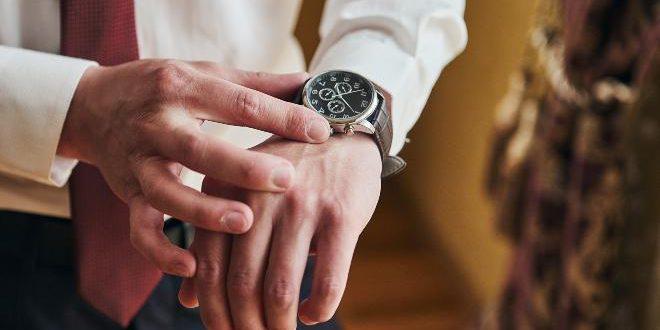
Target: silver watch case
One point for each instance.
(349, 126)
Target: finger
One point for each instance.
(210, 278)
(221, 160)
(281, 86)
(333, 260)
(286, 266)
(223, 101)
(146, 230)
(164, 191)
(187, 295)
(246, 274)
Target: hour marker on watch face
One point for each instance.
(340, 95)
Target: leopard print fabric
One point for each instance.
(565, 174)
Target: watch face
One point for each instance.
(340, 96)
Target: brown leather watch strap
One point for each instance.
(383, 135)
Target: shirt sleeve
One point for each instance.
(35, 92)
(400, 45)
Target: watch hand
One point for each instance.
(349, 106)
(351, 92)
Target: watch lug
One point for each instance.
(365, 127)
(337, 128)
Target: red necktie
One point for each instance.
(112, 276)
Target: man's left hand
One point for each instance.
(252, 281)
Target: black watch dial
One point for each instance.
(340, 96)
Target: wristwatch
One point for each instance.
(352, 103)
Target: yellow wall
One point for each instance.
(444, 180)
(450, 144)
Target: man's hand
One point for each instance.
(140, 122)
(242, 279)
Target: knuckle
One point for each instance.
(150, 189)
(297, 198)
(329, 289)
(334, 211)
(192, 148)
(248, 104)
(281, 294)
(300, 202)
(209, 273)
(169, 77)
(242, 285)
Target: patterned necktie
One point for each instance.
(112, 276)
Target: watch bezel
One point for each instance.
(368, 112)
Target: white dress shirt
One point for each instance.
(401, 45)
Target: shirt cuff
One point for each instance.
(35, 93)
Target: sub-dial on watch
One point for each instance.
(352, 103)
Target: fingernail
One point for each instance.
(282, 177)
(234, 221)
(301, 314)
(303, 318)
(318, 130)
(306, 321)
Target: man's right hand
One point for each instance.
(139, 123)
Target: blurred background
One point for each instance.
(430, 258)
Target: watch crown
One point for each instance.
(349, 130)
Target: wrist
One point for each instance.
(75, 137)
(358, 142)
